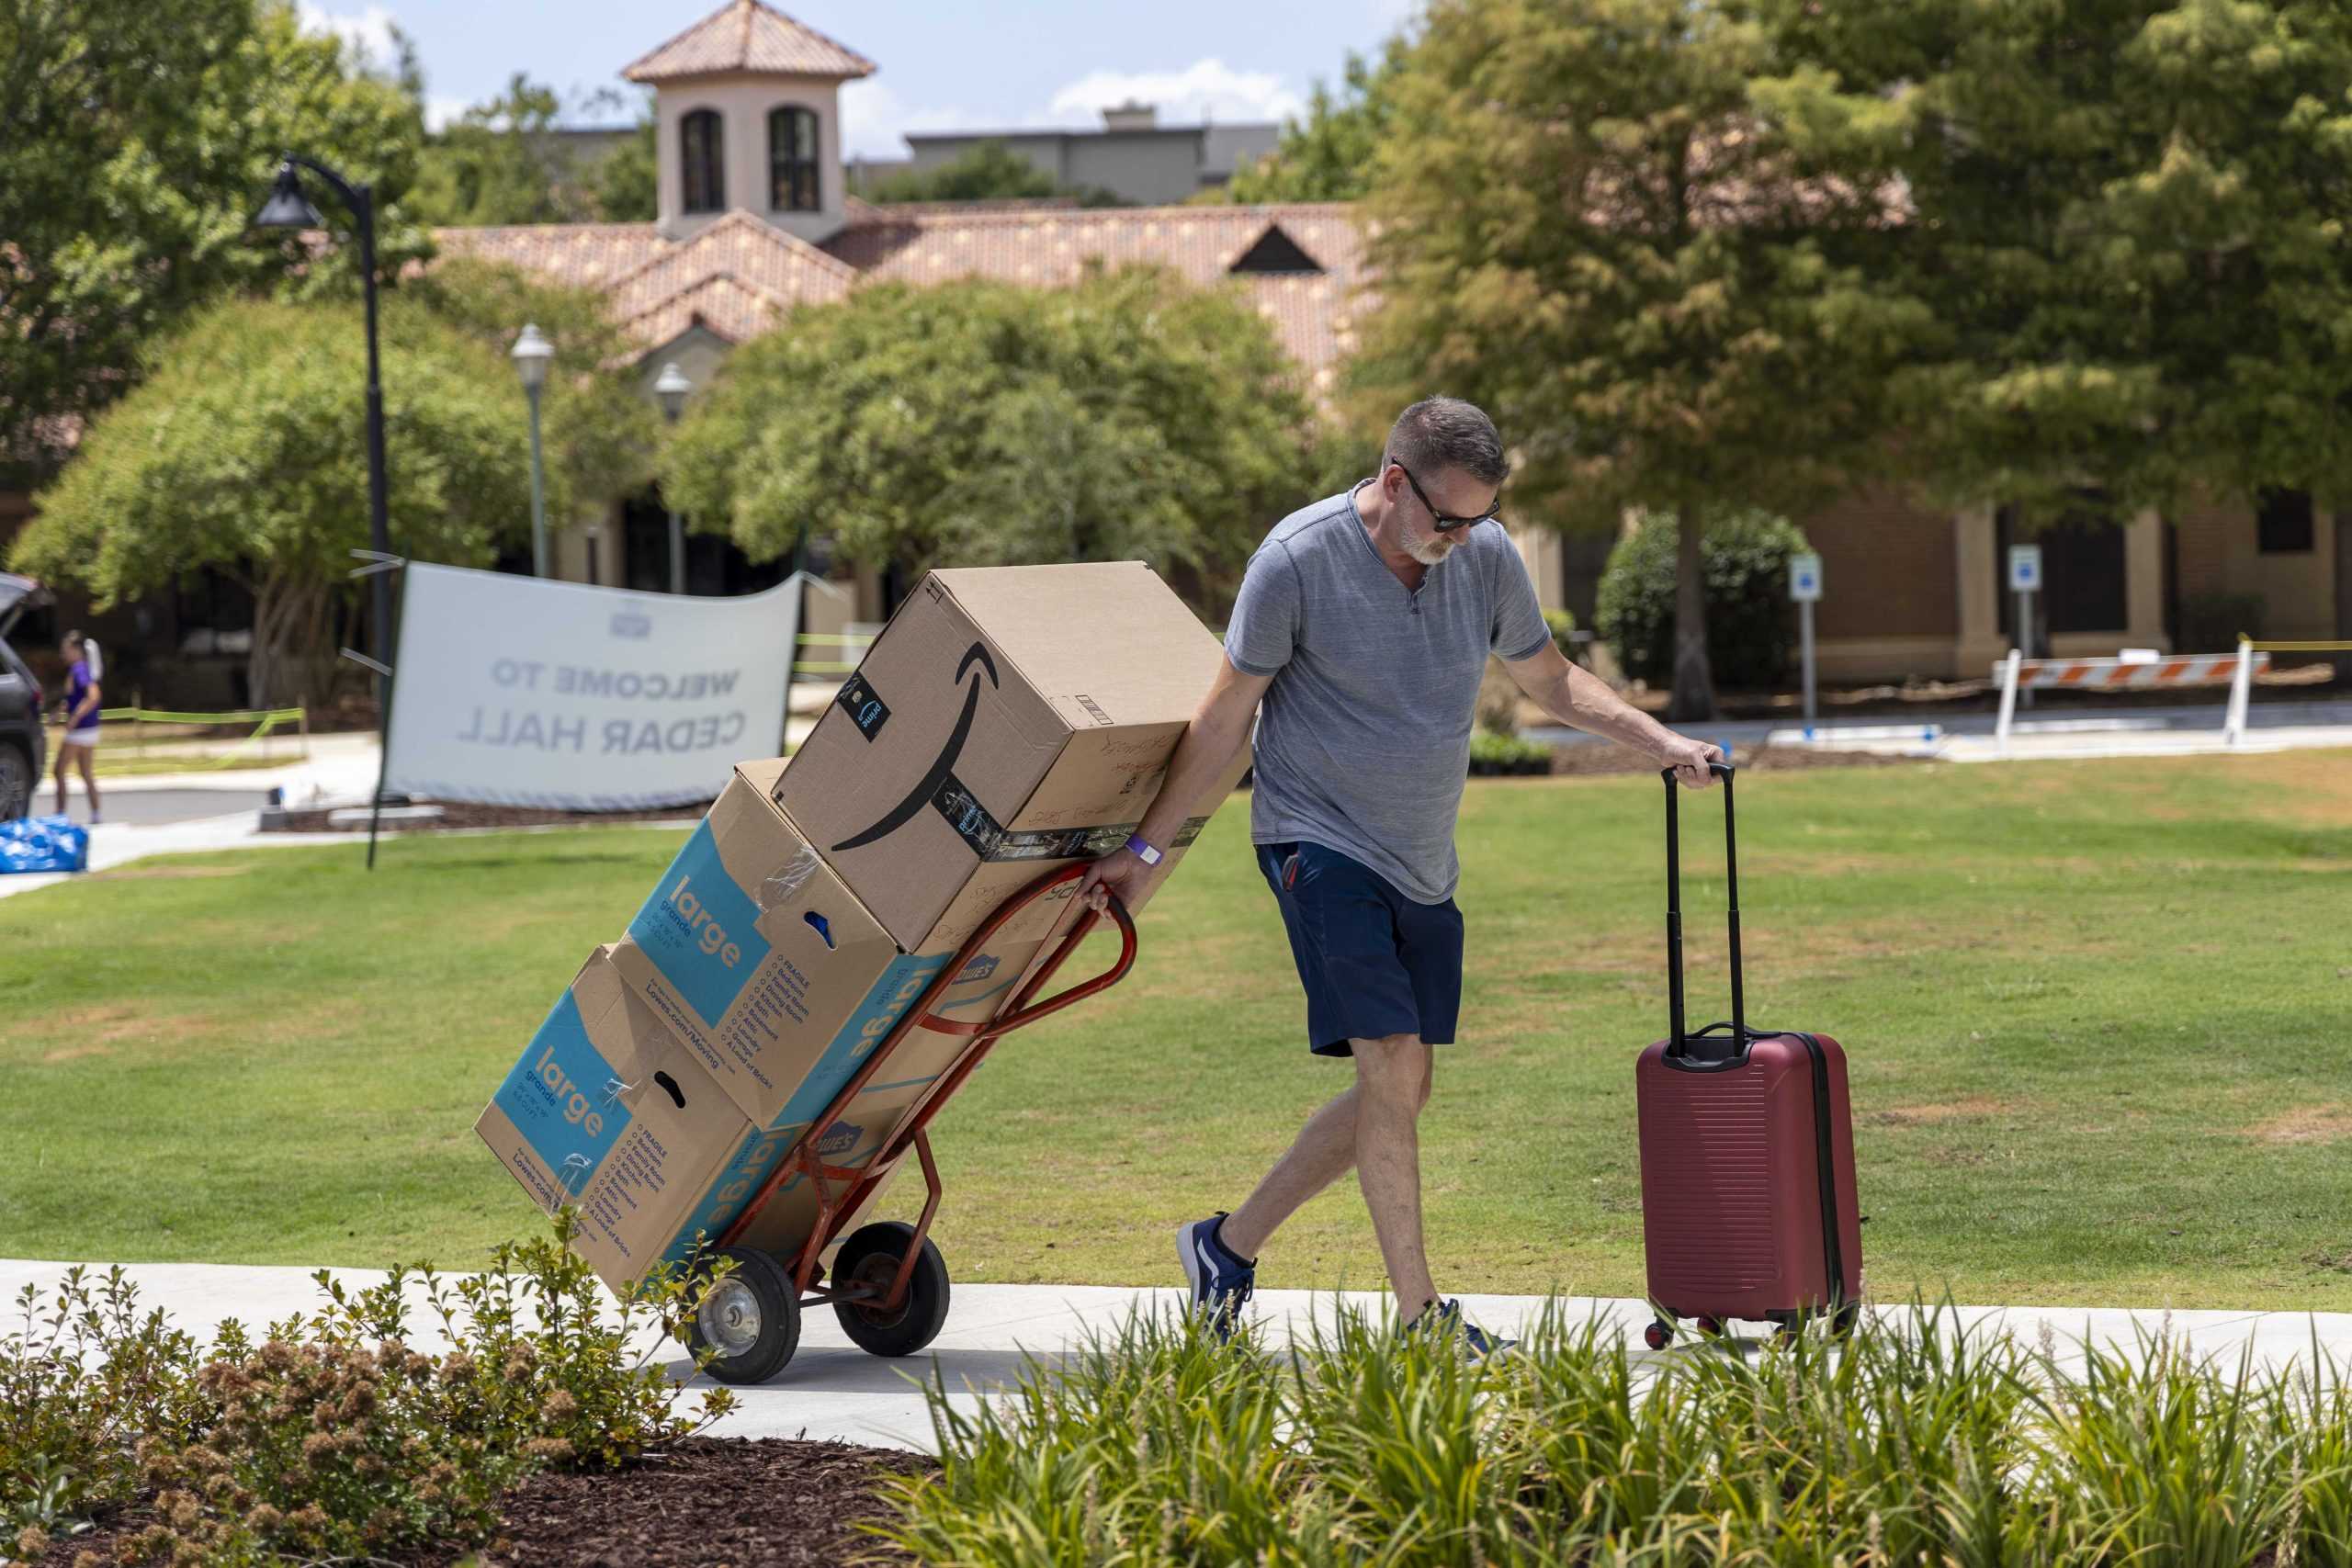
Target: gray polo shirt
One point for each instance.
(1363, 738)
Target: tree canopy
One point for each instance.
(243, 449)
(1585, 224)
(2129, 218)
(979, 423)
(508, 161)
(136, 142)
(1327, 155)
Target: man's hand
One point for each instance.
(1121, 872)
(1689, 759)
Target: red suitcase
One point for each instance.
(1748, 1153)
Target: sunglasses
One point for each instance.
(1447, 524)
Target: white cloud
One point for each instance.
(368, 33)
(1206, 89)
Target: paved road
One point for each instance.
(151, 805)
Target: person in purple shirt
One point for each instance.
(82, 696)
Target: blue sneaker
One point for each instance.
(1221, 1283)
(1444, 1319)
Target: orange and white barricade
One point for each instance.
(2136, 671)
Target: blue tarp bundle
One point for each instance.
(44, 844)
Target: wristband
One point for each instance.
(1142, 849)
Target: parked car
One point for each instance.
(24, 749)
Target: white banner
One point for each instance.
(518, 691)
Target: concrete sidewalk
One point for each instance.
(833, 1389)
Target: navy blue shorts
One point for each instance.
(1374, 961)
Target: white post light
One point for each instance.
(532, 353)
(671, 388)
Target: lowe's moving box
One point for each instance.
(606, 1110)
(1009, 719)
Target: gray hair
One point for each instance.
(1436, 434)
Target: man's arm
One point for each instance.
(1218, 731)
(1581, 699)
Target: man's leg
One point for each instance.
(1324, 1151)
(1392, 1081)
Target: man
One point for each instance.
(1359, 639)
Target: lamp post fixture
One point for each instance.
(672, 386)
(532, 352)
(287, 208)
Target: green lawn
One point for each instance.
(2100, 1015)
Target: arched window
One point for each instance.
(792, 160)
(705, 161)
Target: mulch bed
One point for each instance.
(706, 1502)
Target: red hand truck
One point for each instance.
(889, 1284)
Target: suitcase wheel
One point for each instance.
(1659, 1334)
(1708, 1327)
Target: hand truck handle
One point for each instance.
(1022, 1012)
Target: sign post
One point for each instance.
(1805, 587)
(2025, 582)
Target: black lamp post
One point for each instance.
(287, 208)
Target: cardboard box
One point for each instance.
(753, 953)
(1008, 719)
(606, 1109)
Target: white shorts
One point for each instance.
(81, 737)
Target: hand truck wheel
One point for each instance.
(1659, 1334)
(870, 1258)
(749, 1322)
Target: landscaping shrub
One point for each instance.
(1744, 562)
(1912, 1442)
(330, 1435)
(1492, 754)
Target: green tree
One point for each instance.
(1589, 222)
(499, 162)
(243, 450)
(990, 172)
(1130, 416)
(1327, 155)
(2130, 217)
(599, 432)
(136, 141)
(627, 183)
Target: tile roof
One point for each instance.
(1313, 314)
(738, 275)
(748, 35)
(587, 254)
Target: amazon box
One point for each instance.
(774, 975)
(1008, 720)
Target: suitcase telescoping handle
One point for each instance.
(1680, 1045)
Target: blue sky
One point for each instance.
(944, 65)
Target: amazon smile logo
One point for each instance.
(938, 787)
